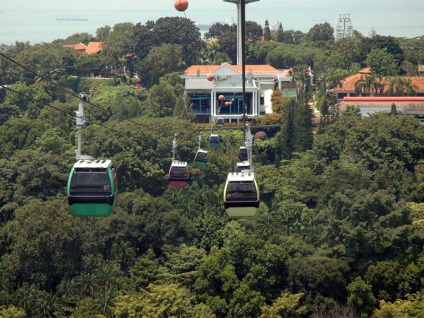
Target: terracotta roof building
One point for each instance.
(94, 48)
(413, 105)
(91, 48)
(347, 87)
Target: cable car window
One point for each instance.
(90, 181)
(240, 168)
(178, 172)
(241, 191)
(202, 155)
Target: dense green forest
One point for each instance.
(340, 227)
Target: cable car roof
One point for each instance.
(243, 164)
(241, 176)
(93, 164)
(179, 164)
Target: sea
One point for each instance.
(37, 25)
(47, 26)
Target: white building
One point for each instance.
(261, 80)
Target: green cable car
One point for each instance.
(241, 194)
(201, 158)
(92, 188)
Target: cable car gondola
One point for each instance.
(92, 188)
(214, 140)
(220, 122)
(242, 153)
(241, 194)
(244, 165)
(178, 174)
(201, 158)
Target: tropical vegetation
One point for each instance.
(340, 227)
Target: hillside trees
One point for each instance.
(339, 225)
(169, 30)
(321, 33)
(160, 61)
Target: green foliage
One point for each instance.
(169, 30)
(11, 312)
(161, 101)
(340, 220)
(285, 306)
(381, 63)
(413, 306)
(19, 134)
(361, 296)
(171, 300)
(322, 32)
(160, 61)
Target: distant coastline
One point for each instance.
(72, 18)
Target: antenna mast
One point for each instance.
(344, 27)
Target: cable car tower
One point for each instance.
(344, 27)
(240, 46)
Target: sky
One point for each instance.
(389, 17)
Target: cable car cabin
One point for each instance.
(243, 166)
(242, 153)
(241, 194)
(220, 122)
(178, 174)
(201, 158)
(214, 140)
(92, 188)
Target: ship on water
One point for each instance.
(72, 18)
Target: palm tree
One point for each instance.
(66, 288)
(409, 87)
(107, 275)
(368, 85)
(300, 75)
(25, 297)
(401, 86)
(104, 302)
(86, 284)
(47, 305)
(123, 252)
(334, 78)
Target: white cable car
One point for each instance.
(244, 165)
(241, 194)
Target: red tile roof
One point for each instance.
(255, 69)
(348, 84)
(93, 47)
(80, 47)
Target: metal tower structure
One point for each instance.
(239, 22)
(344, 27)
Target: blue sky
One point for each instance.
(396, 18)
